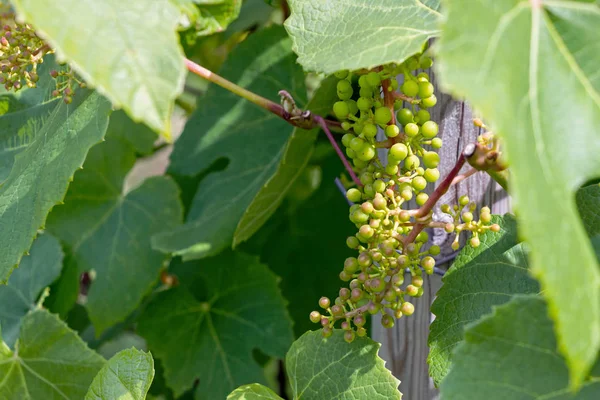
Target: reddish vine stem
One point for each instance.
(388, 98)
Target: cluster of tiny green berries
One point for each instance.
(463, 221)
(21, 50)
(65, 84)
(379, 210)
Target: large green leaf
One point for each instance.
(254, 391)
(128, 49)
(52, 362)
(526, 65)
(109, 231)
(226, 307)
(298, 151)
(323, 369)
(511, 354)
(126, 376)
(588, 204)
(38, 270)
(50, 142)
(227, 126)
(334, 35)
(479, 279)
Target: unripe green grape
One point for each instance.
(434, 250)
(402, 260)
(346, 125)
(420, 171)
(398, 314)
(359, 217)
(343, 74)
(392, 131)
(352, 106)
(341, 110)
(412, 162)
(393, 85)
(344, 90)
(429, 101)
(423, 116)
(431, 175)
(411, 129)
(410, 88)
(315, 317)
(324, 302)
(426, 63)
(349, 336)
(391, 169)
(350, 153)
(463, 200)
(369, 130)
(407, 308)
(425, 90)
(422, 237)
(475, 242)
(429, 130)
(367, 207)
(379, 186)
(411, 249)
(397, 105)
(431, 159)
(423, 76)
(495, 228)
(366, 153)
(398, 279)
(352, 242)
(422, 198)
(382, 116)
(449, 227)
(353, 208)
(428, 262)
(436, 143)
(363, 83)
(359, 320)
(417, 281)
(361, 332)
(398, 151)
(366, 92)
(369, 191)
(358, 163)
(344, 293)
(486, 218)
(404, 116)
(347, 138)
(366, 231)
(345, 325)
(390, 295)
(387, 321)
(354, 195)
(485, 210)
(406, 194)
(373, 79)
(356, 294)
(366, 178)
(374, 308)
(467, 217)
(357, 144)
(379, 203)
(364, 259)
(351, 265)
(419, 183)
(412, 290)
(412, 63)
(364, 103)
(327, 332)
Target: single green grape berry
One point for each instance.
(364, 103)
(377, 284)
(346, 125)
(382, 116)
(445, 208)
(387, 321)
(486, 218)
(429, 130)
(431, 175)
(392, 131)
(324, 302)
(349, 336)
(410, 88)
(455, 245)
(422, 237)
(398, 314)
(412, 63)
(495, 228)
(350, 153)
(428, 262)
(475, 242)
(431, 159)
(337, 310)
(352, 242)
(359, 320)
(422, 198)
(404, 116)
(419, 183)
(412, 162)
(393, 85)
(449, 227)
(344, 90)
(369, 130)
(360, 164)
(398, 279)
(485, 210)
(436, 143)
(367, 207)
(429, 102)
(411, 249)
(366, 178)
(366, 92)
(463, 200)
(373, 79)
(357, 144)
(425, 90)
(411, 129)
(411, 290)
(344, 293)
(423, 116)
(341, 110)
(379, 186)
(343, 74)
(359, 217)
(366, 231)
(407, 308)
(361, 332)
(434, 250)
(354, 195)
(467, 217)
(392, 169)
(398, 151)
(379, 202)
(351, 264)
(352, 106)
(364, 259)
(362, 82)
(356, 294)
(347, 138)
(366, 153)
(315, 317)
(423, 76)
(358, 128)
(426, 63)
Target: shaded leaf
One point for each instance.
(253, 392)
(226, 307)
(251, 138)
(335, 35)
(479, 279)
(588, 204)
(138, 135)
(129, 50)
(520, 63)
(126, 376)
(50, 142)
(511, 354)
(52, 361)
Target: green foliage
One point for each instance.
(52, 362)
(479, 279)
(226, 307)
(588, 204)
(126, 376)
(50, 141)
(509, 66)
(130, 52)
(329, 37)
(253, 392)
(216, 130)
(511, 354)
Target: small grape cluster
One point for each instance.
(386, 248)
(21, 50)
(65, 84)
(464, 221)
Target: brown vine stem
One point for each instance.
(462, 177)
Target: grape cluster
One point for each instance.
(65, 84)
(21, 50)
(372, 101)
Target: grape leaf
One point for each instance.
(126, 376)
(511, 354)
(216, 16)
(588, 204)
(52, 361)
(297, 152)
(38, 270)
(254, 391)
(479, 279)
(226, 307)
(330, 368)
(128, 49)
(138, 135)
(520, 63)
(109, 231)
(339, 34)
(226, 126)
(51, 147)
